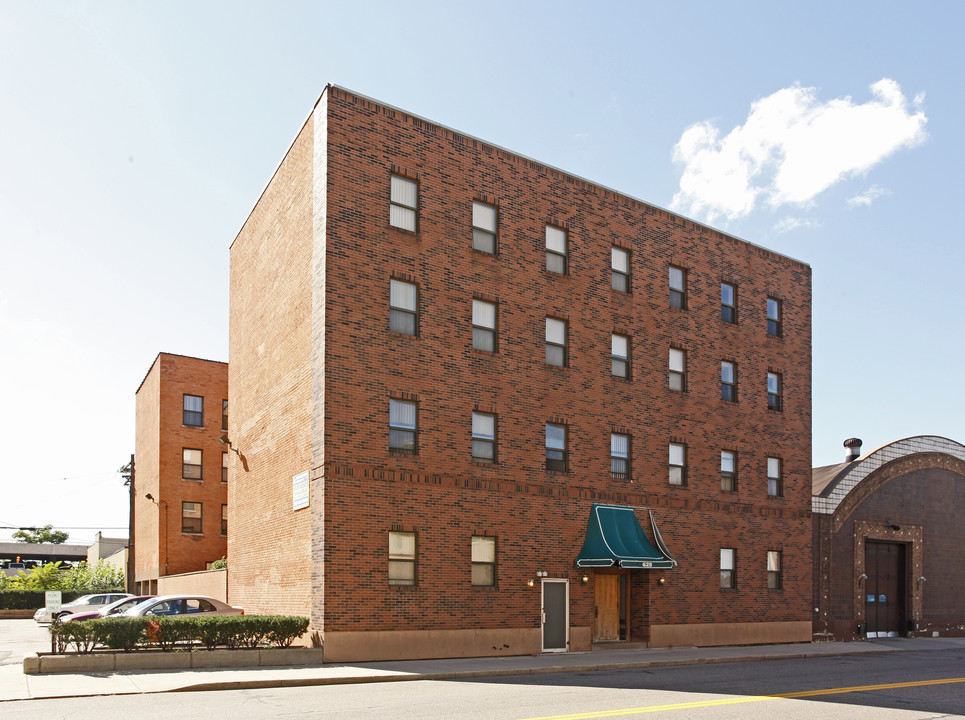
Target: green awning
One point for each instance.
(614, 538)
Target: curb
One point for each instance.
(507, 672)
(255, 684)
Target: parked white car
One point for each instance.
(86, 603)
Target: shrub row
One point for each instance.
(170, 633)
(33, 599)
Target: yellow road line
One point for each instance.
(590, 715)
(863, 688)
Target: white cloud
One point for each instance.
(788, 224)
(868, 196)
(791, 148)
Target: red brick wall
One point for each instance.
(270, 423)
(160, 546)
(538, 517)
(921, 495)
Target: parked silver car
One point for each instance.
(191, 605)
(86, 603)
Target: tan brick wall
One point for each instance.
(161, 548)
(270, 379)
(212, 583)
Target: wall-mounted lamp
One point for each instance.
(531, 582)
(921, 579)
(150, 497)
(585, 579)
(541, 573)
(662, 581)
(223, 439)
(862, 577)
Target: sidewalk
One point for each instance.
(15, 685)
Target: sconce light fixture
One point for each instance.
(223, 439)
(585, 579)
(662, 581)
(862, 577)
(921, 579)
(531, 582)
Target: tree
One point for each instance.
(45, 534)
(41, 577)
(98, 577)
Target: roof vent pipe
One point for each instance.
(854, 449)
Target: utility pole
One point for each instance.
(127, 472)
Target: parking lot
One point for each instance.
(21, 637)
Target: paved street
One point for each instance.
(892, 678)
(728, 690)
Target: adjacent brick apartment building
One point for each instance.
(180, 506)
(467, 388)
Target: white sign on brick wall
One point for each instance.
(300, 496)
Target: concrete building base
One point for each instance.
(714, 634)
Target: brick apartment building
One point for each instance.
(180, 505)
(468, 388)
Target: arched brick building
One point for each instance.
(888, 539)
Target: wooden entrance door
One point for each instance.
(884, 588)
(610, 607)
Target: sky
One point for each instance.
(135, 138)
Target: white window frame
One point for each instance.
(728, 470)
(619, 269)
(678, 287)
(728, 381)
(400, 427)
(485, 221)
(403, 307)
(620, 356)
(557, 454)
(728, 568)
(677, 455)
(484, 318)
(728, 308)
(677, 363)
(556, 341)
(775, 479)
(483, 561)
(775, 569)
(402, 558)
(484, 436)
(775, 395)
(557, 250)
(620, 455)
(403, 203)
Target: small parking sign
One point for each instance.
(52, 601)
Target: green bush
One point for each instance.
(82, 634)
(18, 599)
(283, 630)
(171, 633)
(120, 633)
(215, 631)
